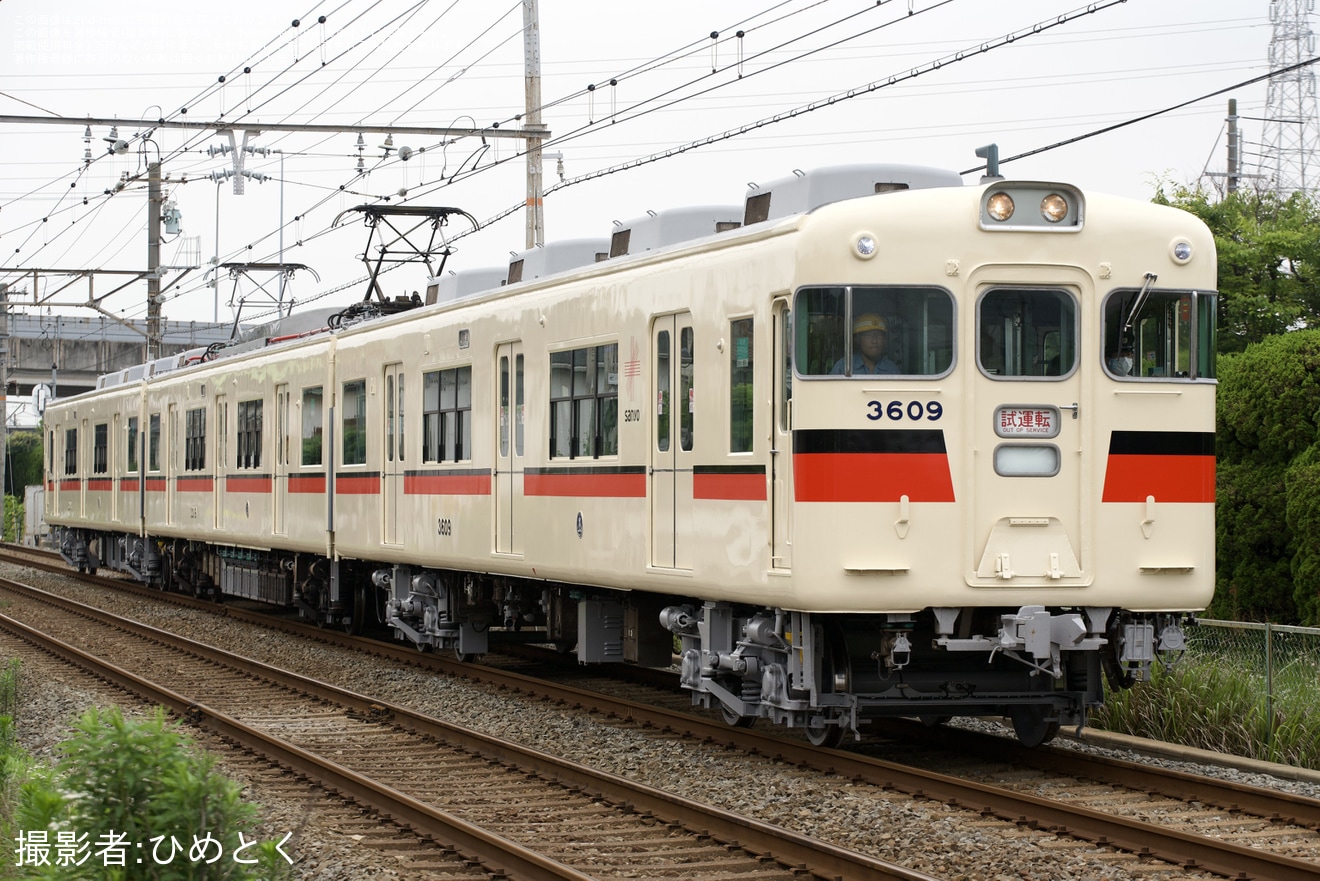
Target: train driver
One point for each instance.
(1121, 363)
(870, 340)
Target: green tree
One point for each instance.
(1269, 260)
(25, 464)
(1267, 437)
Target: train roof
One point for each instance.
(798, 193)
(804, 191)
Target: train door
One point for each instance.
(1030, 424)
(221, 459)
(280, 484)
(171, 466)
(674, 398)
(391, 489)
(781, 441)
(509, 454)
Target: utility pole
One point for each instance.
(532, 73)
(1234, 155)
(155, 205)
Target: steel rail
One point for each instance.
(498, 854)
(792, 849)
(1131, 835)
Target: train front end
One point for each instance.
(1002, 413)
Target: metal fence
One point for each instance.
(1283, 662)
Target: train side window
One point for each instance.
(461, 419)
(70, 451)
(607, 400)
(909, 331)
(249, 434)
(518, 404)
(131, 447)
(511, 405)
(584, 402)
(447, 415)
(663, 391)
(100, 448)
(505, 420)
(686, 391)
(402, 433)
(389, 418)
(153, 442)
(194, 440)
(1027, 332)
(354, 422)
(1160, 335)
(741, 397)
(311, 426)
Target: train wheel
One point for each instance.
(353, 625)
(737, 721)
(835, 678)
(464, 657)
(1031, 726)
(825, 735)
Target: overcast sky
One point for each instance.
(460, 63)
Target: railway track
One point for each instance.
(1153, 813)
(515, 810)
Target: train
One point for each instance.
(872, 443)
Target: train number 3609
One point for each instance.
(896, 411)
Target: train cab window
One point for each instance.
(1159, 335)
(447, 415)
(131, 446)
(1029, 332)
(100, 448)
(249, 434)
(153, 442)
(869, 331)
(70, 451)
(354, 422)
(311, 426)
(741, 399)
(584, 402)
(194, 440)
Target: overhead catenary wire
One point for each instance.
(623, 166)
(893, 79)
(305, 212)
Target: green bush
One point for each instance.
(141, 789)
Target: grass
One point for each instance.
(1217, 698)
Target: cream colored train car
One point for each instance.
(875, 452)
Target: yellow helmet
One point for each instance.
(869, 321)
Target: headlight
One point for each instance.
(1000, 206)
(1054, 208)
